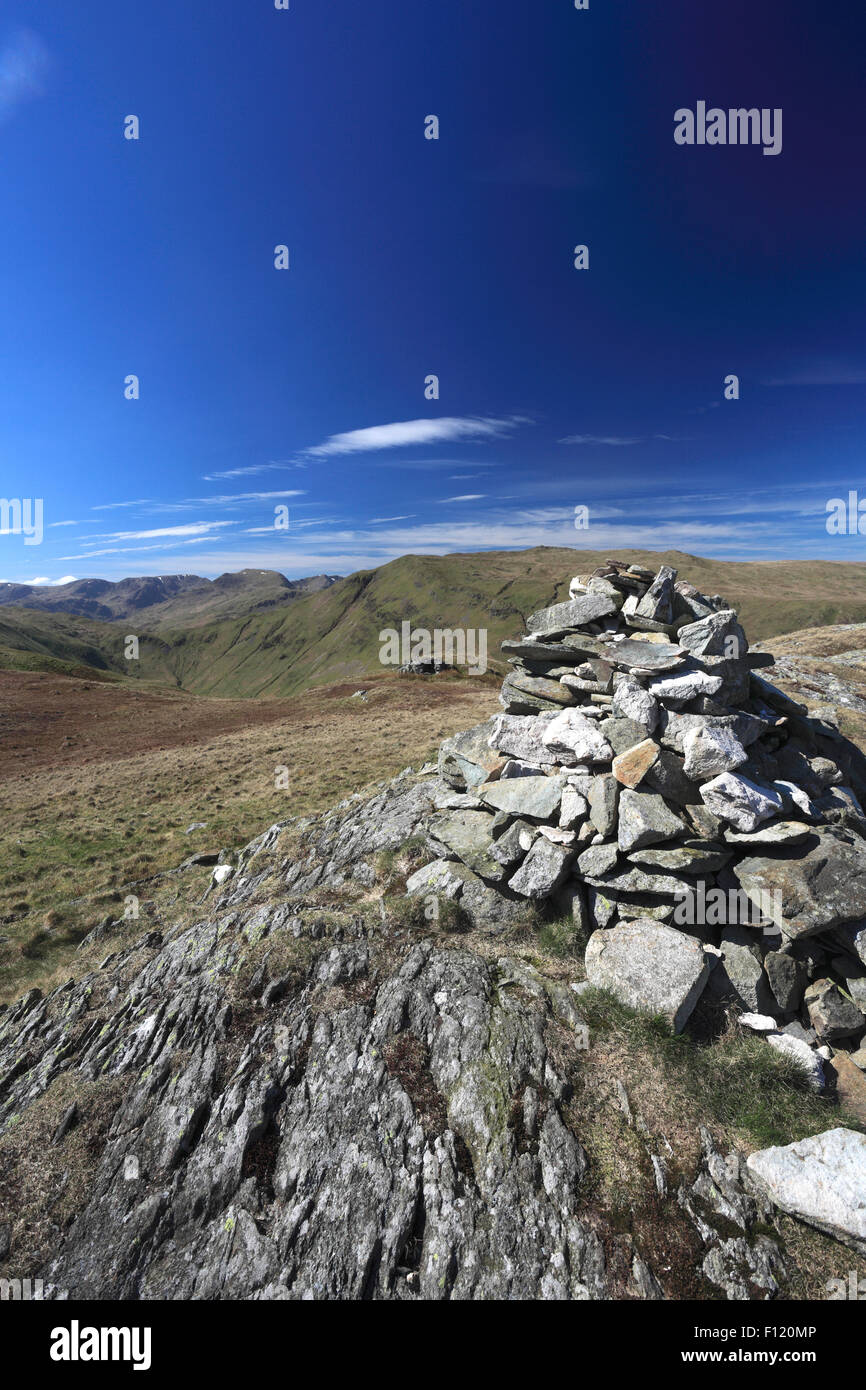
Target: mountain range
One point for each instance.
(165, 599)
(256, 633)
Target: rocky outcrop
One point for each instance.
(306, 1086)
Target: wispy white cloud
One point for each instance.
(294, 525)
(138, 550)
(273, 465)
(214, 500)
(619, 440)
(230, 498)
(110, 506)
(192, 528)
(24, 66)
(466, 497)
(406, 433)
(431, 465)
(822, 374)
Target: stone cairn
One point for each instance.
(701, 828)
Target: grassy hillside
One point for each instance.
(262, 647)
(66, 644)
(333, 635)
(100, 783)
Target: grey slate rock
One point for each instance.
(519, 736)
(538, 689)
(787, 979)
(467, 758)
(622, 734)
(571, 737)
(830, 1013)
(603, 800)
(468, 835)
(563, 617)
(543, 870)
(740, 801)
(739, 976)
(537, 798)
(811, 887)
(632, 701)
(631, 654)
(650, 967)
(718, 635)
(630, 878)
(778, 832)
(443, 877)
(820, 1180)
(689, 858)
(529, 650)
(657, 603)
(710, 750)
(598, 860)
(644, 819)
(667, 777)
(508, 849)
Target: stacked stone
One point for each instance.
(644, 777)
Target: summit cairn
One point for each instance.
(700, 827)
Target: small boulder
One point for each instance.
(718, 635)
(710, 751)
(631, 767)
(787, 978)
(738, 800)
(577, 738)
(820, 1180)
(830, 1013)
(649, 966)
(644, 819)
(544, 868)
(801, 1053)
(565, 617)
(535, 797)
(808, 888)
(468, 758)
(631, 701)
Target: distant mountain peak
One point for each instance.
(164, 597)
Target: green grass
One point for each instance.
(737, 1081)
(72, 844)
(560, 937)
(251, 637)
(419, 914)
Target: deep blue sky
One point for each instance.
(411, 257)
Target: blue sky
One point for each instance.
(305, 388)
